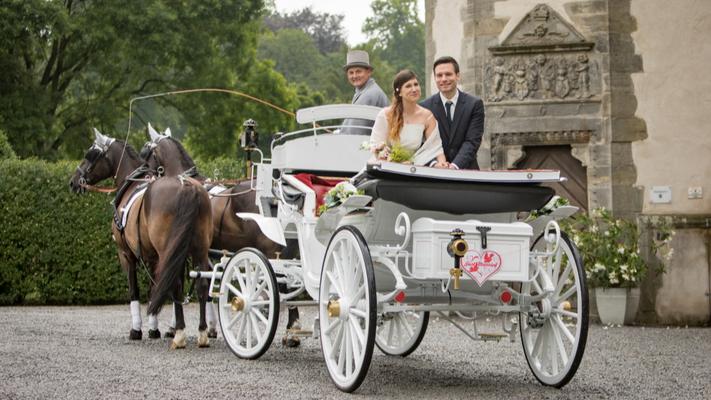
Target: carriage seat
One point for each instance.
(318, 184)
(457, 197)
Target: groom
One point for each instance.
(460, 116)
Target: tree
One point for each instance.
(397, 34)
(326, 30)
(72, 64)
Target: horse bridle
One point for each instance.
(83, 171)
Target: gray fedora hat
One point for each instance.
(357, 58)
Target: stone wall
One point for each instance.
(624, 83)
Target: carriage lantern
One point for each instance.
(249, 141)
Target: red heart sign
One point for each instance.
(480, 266)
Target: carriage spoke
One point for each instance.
(260, 303)
(569, 314)
(565, 329)
(240, 330)
(556, 265)
(249, 332)
(342, 349)
(567, 293)
(255, 326)
(259, 290)
(331, 326)
(355, 344)
(338, 269)
(406, 325)
(335, 343)
(551, 347)
(559, 343)
(537, 345)
(358, 313)
(349, 352)
(261, 316)
(234, 320)
(234, 290)
(334, 284)
(563, 278)
(240, 278)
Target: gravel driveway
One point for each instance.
(84, 353)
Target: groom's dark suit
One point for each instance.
(460, 138)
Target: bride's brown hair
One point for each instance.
(395, 119)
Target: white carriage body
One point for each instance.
(382, 257)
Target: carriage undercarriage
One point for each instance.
(379, 264)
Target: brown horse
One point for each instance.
(159, 222)
(167, 156)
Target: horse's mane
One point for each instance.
(129, 149)
(184, 154)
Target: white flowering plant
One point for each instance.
(337, 195)
(610, 250)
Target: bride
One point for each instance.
(407, 125)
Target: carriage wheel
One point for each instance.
(347, 308)
(555, 332)
(248, 304)
(399, 333)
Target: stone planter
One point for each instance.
(617, 306)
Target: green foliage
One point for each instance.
(71, 65)
(400, 154)
(324, 29)
(398, 35)
(6, 151)
(221, 168)
(610, 250)
(56, 246)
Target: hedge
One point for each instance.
(55, 245)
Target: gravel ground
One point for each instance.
(84, 353)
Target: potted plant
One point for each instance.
(614, 267)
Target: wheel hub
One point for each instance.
(334, 308)
(237, 304)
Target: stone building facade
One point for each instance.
(614, 93)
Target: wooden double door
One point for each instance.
(575, 188)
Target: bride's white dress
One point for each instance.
(412, 138)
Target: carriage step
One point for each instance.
(299, 332)
(493, 336)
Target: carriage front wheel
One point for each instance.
(400, 333)
(347, 308)
(248, 304)
(554, 331)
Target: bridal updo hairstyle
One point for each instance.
(395, 119)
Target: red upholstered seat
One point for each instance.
(319, 185)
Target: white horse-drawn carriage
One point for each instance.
(412, 241)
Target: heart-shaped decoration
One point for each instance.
(480, 266)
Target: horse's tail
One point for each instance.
(176, 252)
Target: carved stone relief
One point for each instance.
(543, 58)
(541, 77)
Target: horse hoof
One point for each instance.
(290, 341)
(170, 333)
(212, 333)
(176, 346)
(135, 335)
(153, 334)
(203, 340)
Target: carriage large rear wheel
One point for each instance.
(248, 304)
(400, 333)
(347, 308)
(555, 331)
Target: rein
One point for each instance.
(92, 188)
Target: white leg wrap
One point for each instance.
(172, 319)
(136, 315)
(211, 319)
(152, 322)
